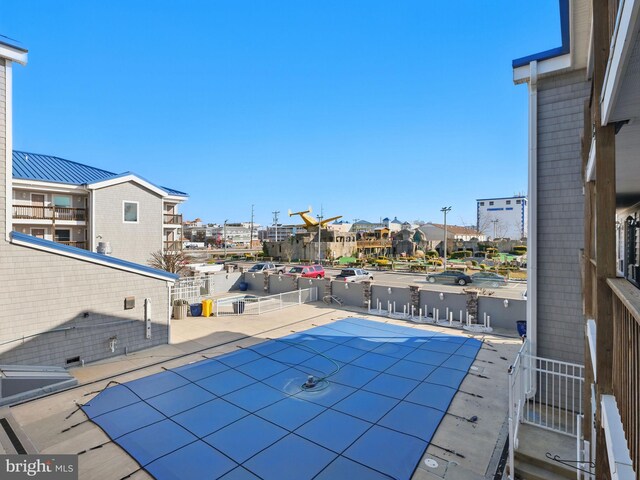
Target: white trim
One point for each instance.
(532, 205)
(24, 184)
(137, 211)
(620, 464)
(551, 65)
(590, 173)
(124, 179)
(88, 260)
(13, 54)
(591, 339)
(174, 198)
(8, 148)
(621, 47)
(92, 222)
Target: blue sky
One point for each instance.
(367, 108)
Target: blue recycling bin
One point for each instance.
(196, 309)
(521, 325)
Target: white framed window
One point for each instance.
(62, 201)
(482, 204)
(130, 211)
(518, 202)
(490, 203)
(508, 202)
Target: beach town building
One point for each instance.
(62, 305)
(503, 217)
(584, 201)
(87, 207)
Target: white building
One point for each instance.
(503, 217)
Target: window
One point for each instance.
(130, 212)
(508, 202)
(518, 202)
(482, 204)
(490, 203)
(63, 235)
(62, 201)
(37, 232)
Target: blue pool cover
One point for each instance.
(380, 393)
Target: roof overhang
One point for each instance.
(175, 198)
(26, 183)
(124, 178)
(624, 40)
(13, 53)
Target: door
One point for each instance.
(37, 202)
(37, 232)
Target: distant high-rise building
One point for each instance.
(503, 217)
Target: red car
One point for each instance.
(308, 271)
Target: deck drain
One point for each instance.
(474, 368)
(431, 463)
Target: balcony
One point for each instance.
(53, 213)
(172, 246)
(82, 245)
(171, 219)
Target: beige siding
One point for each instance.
(130, 241)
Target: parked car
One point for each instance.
(354, 275)
(308, 271)
(267, 267)
(489, 278)
(449, 276)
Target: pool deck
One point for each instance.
(461, 449)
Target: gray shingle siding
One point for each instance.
(44, 292)
(560, 213)
(130, 241)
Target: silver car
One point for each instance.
(354, 275)
(489, 279)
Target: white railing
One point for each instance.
(545, 393)
(252, 305)
(192, 289)
(516, 399)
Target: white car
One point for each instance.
(354, 275)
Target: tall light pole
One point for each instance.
(251, 231)
(495, 227)
(224, 237)
(319, 235)
(275, 222)
(445, 210)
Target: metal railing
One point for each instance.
(171, 219)
(251, 305)
(33, 212)
(74, 244)
(545, 393)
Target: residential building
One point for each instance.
(584, 196)
(80, 205)
(62, 305)
(273, 233)
(503, 217)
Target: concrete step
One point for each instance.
(535, 442)
(552, 470)
(527, 471)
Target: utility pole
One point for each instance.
(319, 235)
(495, 229)
(224, 238)
(251, 230)
(445, 210)
(275, 222)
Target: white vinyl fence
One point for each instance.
(192, 289)
(252, 305)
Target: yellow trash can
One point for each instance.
(207, 308)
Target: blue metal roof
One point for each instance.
(10, 42)
(554, 52)
(34, 166)
(92, 256)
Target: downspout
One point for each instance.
(8, 149)
(532, 230)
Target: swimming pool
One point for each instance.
(355, 399)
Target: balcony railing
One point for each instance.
(626, 361)
(32, 212)
(170, 219)
(172, 246)
(82, 245)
